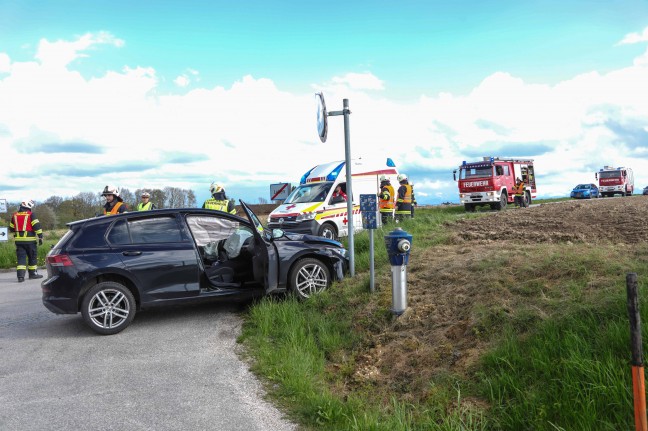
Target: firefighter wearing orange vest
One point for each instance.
(27, 230)
(518, 190)
(219, 200)
(386, 200)
(404, 199)
(114, 203)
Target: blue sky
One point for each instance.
(155, 94)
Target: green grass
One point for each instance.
(559, 361)
(8, 253)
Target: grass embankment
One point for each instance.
(557, 355)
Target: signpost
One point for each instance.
(369, 210)
(322, 130)
(4, 235)
(3, 205)
(280, 191)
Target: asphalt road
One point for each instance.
(172, 369)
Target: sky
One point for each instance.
(154, 94)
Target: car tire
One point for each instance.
(309, 276)
(327, 230)
(527, 199)
(108, 308)
(470, 208)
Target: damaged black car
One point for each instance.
(108, 268)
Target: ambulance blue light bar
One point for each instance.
(303, 178)
(390, 163)
(335, 172)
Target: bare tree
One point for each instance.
(263, 201)
(46, 217)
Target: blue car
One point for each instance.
(585, 191)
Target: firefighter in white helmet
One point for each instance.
(219, 200)
(403, 199)
(114, 203)
(27, 230)
(146, 204)
(386, 200)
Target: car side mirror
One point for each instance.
(277, 233)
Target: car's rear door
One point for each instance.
(159, 255)
(265, 262)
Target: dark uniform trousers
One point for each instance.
(27, 256)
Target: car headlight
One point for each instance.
(305, 216)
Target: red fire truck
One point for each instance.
(490, 182)
(615, 180)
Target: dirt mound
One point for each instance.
(589, 221)
(442, 331)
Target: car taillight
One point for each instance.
(59, 260)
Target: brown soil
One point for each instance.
(440, 334)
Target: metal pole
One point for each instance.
(638, 385)
(371, 260)
(349, 191)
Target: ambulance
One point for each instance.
(311, 207)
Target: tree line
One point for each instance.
(55, 211)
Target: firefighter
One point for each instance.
(219, 200)
(146, 204)
(518, 190)
(413, 200)
(114, 203)
(404, 199)
(386, 200)
(27, 230)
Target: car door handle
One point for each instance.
(131, 253)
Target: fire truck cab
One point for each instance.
(490, 182)
(615, 180)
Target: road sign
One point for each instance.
(279, 191)
(3, 205)
(4, 235)
(369, 207)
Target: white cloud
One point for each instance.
(359, 81)
(631, 38)
(252, 133)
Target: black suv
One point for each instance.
(109, 267)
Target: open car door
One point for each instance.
(265, 262)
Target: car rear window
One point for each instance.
(91, 236)
(145, 231)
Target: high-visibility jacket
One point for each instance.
(386, 202)
(25, 227)
(518, 189)
(404, 200)
(145, 206)
(115, 209)
(224, 205)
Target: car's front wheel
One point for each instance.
(108, 308)
(308, 277)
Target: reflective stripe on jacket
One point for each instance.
(25, 226)
(114, 210)
(219, 205)
(386, 202)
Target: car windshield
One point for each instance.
(314, 192)
(477, 171)
(610, 174)
(582, 186)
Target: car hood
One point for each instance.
(581, 190)
(312, 239)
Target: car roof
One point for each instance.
(157, 212)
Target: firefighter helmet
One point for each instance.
(402, 177)
(27, 203)
(215, 188)
(383, 178)
(146, 195)
(110, 190)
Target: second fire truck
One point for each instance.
(490, 182)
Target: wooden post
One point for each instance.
(638, 385)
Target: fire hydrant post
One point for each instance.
(399, 244)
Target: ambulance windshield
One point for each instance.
(314, 192)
